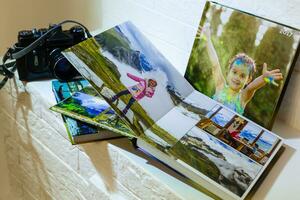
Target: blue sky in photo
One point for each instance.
(266, 141)
(223, 117)
(250, 132)
(93, 105)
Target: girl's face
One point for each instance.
(238, 77)
(151, 83)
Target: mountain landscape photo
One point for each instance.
(216, 160)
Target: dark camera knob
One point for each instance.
(25, 38)
(42, 31)
(34, 31)
(25, 34)
(76, 30)
(78, 34)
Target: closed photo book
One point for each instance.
(209, 143)
(86, 115)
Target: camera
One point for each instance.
(45, 61)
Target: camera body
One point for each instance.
(46, 61)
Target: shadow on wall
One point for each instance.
(23, 15)
(25, 173)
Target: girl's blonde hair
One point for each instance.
(242, 58)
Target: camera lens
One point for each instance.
(62, 68)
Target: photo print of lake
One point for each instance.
(87, 103)
(63, 90)
(88, 106)
(217, 160)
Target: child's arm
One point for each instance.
(216, 67)
(259, 82)
(135, 78)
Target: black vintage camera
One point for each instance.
(37, 53)
(46, 61)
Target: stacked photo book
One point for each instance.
(81, 103)
(213, 125)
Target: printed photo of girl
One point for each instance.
(242, 61)
(238, 87)
(143, 88)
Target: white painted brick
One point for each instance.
(118, 191)
(94, 165)
(148, 21)
(148, 188)
(39, 169)
(29, 196)
(150, 4)
(16, 187)
(41, 130)
(185, 11)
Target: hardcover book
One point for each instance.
(79, 100)
(207, 142)
(242, 61)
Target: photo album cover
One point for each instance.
(242, 61)
(207, 142)
(93, 114)
(78, 131)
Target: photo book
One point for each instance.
(79, 100)
(243, 61)
(208, 142)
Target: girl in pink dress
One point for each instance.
(144, 87)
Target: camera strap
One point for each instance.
(7, 70)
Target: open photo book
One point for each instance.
(215, 147)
